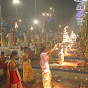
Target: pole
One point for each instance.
(35, 9)
(16, 11)
(0, 17)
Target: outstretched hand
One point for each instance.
(55, 46)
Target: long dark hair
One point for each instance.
(13, 54)
(43, 48)
(25, 48)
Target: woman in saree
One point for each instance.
(3, 41)
(13, 76)
(27, 69)
(2, 62)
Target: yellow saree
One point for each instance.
(27, 69)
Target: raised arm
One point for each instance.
(52, 49)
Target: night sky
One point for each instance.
(65, 10)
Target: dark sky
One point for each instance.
(65, 10)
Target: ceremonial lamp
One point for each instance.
(65, 39)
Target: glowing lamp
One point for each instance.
(16, 1)
(50, 8)
(35, 21)
(43, 14)
(20, 20)
(47, 14)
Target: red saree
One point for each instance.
(2, 63)
(4, 66)
(13, 77)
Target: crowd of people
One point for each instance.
(11, 67)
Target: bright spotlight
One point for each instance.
(20, 20)
(50, 8)
(43, 14)
(35, 21)
(47, 14)
(16, 1)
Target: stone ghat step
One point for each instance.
(71, 74)
(66, 57)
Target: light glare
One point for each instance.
(35, 21)
(16, 1)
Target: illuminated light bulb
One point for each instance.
(20, 20)
(75, 77)
(51, 67)
(47, 14)
(43, 14)
(79, 69)
(35, 21)
(37, 73)
(86, 79)
(72, 69)
(16, 1)
(61, 68)
(51, 8)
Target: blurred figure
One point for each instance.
(3, 41)
(9, 37)
(32, 55)
(26, 39)
(2, 61)
(2, 57)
